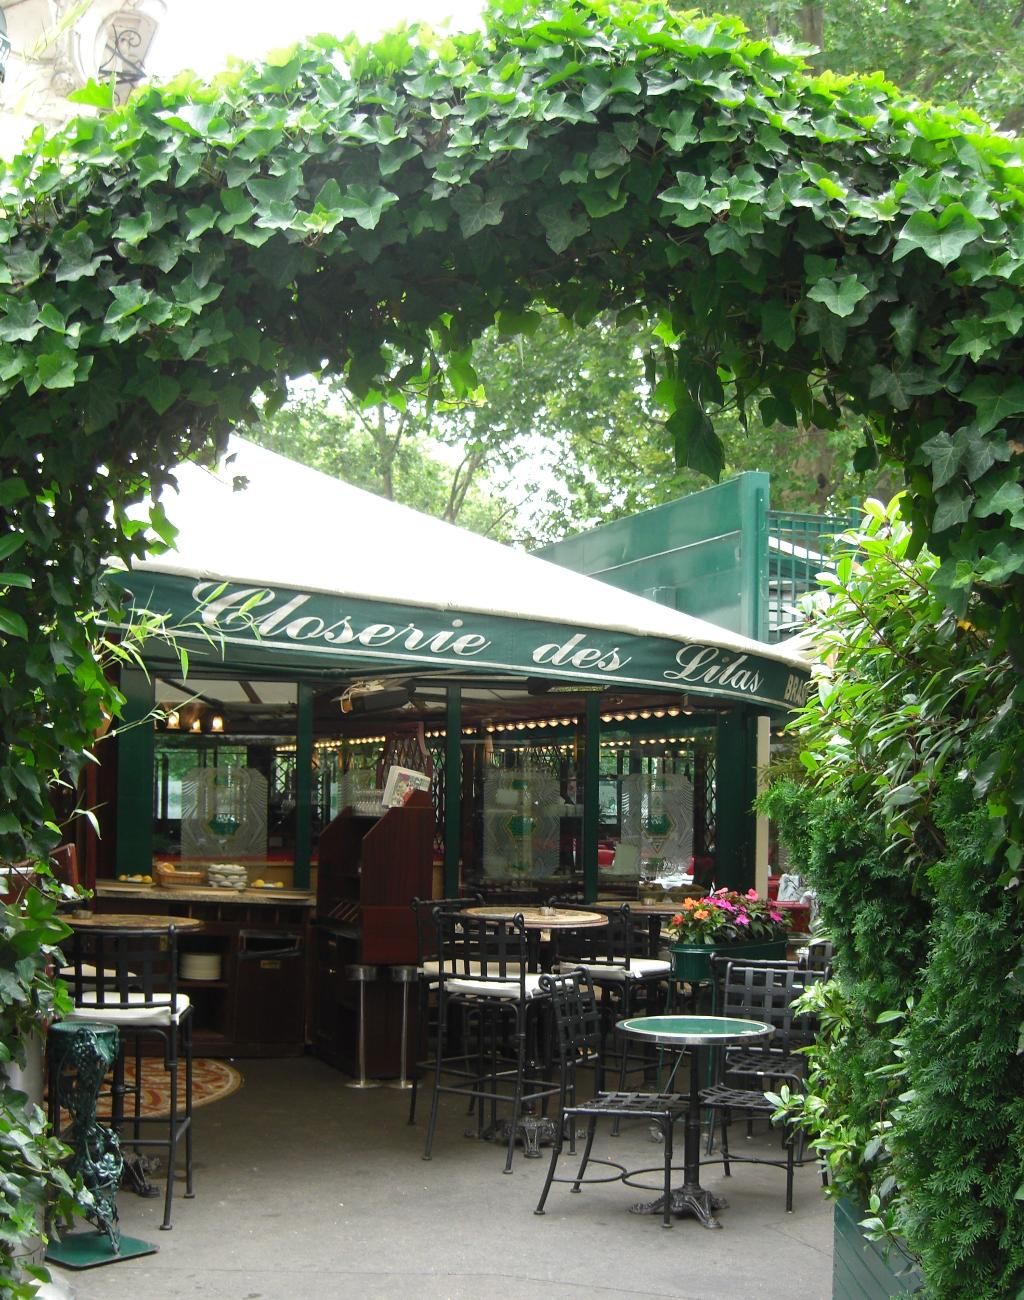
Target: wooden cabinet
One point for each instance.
(370, 869)
(255, 1003)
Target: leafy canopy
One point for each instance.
(368, 211)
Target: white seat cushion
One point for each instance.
(494, 988)
(639, 968)
(132, 1013)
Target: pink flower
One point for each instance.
(751, 893)
(725, 905)
(742, 919)
(775, 916)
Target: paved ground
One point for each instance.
(308, 1190)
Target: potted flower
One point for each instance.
(724, 922)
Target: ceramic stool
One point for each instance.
(404, 975)
(362, 975)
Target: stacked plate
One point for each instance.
(227, 875)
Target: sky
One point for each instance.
(204, 34)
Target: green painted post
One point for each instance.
(135, 777)
(303, 785)
(736, 788)
(753, 593)
(452, 790)
(591, 791)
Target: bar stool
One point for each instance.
(404, 975)
(362, 975)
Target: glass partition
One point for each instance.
(224, 771)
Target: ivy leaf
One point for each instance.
(57, 369)
(162, 392)
(199, 220)
(237, 209)
(78, 259)
(21, 323)
(133, 230)
(839, 296)
(694, 440)
(95, 94)
(128, 299)
(1006, 498)
(944, 457)
(365, 205)
(995, 398)
(477, 209)
(511, 323)
(274, 189)
(942, 238)
(560, 226)
(952, 506)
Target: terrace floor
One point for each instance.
(306, 1188)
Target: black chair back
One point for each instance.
(610, 945)
(766, 991)
(424, 910)
(481, 949)
(110, 968)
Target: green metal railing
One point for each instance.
(799, 547)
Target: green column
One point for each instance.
(736, 787)
(591, 790)
(452, 790)
(135, 777)
(303, 785)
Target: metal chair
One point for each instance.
(428, 967)
(762, 991)
(128, 978)
(483, 972)
(627, 975)
(578, 1040)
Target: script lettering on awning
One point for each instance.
(242, 605)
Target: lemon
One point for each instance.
(257, 884)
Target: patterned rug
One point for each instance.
(211, 1081)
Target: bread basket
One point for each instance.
(171, 878)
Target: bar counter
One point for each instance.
(257, 1001)
(259, 897)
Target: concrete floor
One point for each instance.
(308, 1189)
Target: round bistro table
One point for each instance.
(538, 918)
(696, 1033)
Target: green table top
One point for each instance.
(693, 1031)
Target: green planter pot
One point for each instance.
(867, 1270)
(692, 961)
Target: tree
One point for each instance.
(954, 51)
(563, 432)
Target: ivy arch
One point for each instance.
(799, 242)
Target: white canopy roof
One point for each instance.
(295, 527)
